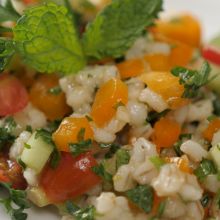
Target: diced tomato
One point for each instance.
(13, 95)
(11, 172)
(211, 54)
(70, 179)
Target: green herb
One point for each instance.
(81, 134)
(15, 203)
(157, 162)
(55, 158)
(6, 136)
(7, 12)
(45, 135)
(100, 171)
(192, 80)
(177, 149)
(211, 118)
(205, 200)
(216, 105)
(116, 28)
(88, 118)
(55, 90)
(155, 116)
(29, 128)
(47, 40)
(53, 125)
(6, 53)
(87, 213)
(80, 147)
(178, 144)
(142, 196)
(28, 146)
(112, 150)
(122, 157)
(205, 168)
(20, 161)
(185, 136)
(161, 209)
(5, 29)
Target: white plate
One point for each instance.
(208, 12)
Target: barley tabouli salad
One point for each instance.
(108, 114)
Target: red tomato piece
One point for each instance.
(71, 178)
(13, 95)
(211, 54)
(11, 172)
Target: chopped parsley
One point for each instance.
(72, 53)
(45, 135)
(26, 145)
(216, 105)
(122, 157)
(15, 203)
(142, 196)
(101, 171)
(192, 80)
(205, 168)
(78, 213)
(81, 134)
(157, 162)
(112, 149)
(55, 90)
(205, 200)
(80, 147)
(6, 136)
(178, 144)
(29, 128)
(155, 116)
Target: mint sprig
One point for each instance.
(116, 28)
(48, 41)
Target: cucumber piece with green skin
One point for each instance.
(215, 155)
(37, 154)
(37, 196)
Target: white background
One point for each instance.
(208, 11)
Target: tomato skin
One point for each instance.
(211, 54)
(13, 95)
(71, 178)
(11, 172)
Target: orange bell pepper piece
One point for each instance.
(108, 96)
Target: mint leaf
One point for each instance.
(47, 40)
(142, 196)
(7, 12)
(117, 27)
(6, 53)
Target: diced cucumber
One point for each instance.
(215, 155)
(37, 154)
(37, 196)
(215, 83)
